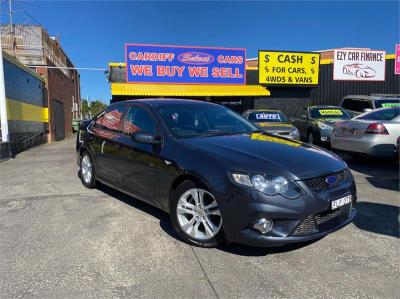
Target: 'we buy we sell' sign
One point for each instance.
(184, 65)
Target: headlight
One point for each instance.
(324, 126)
(294, 133)
(270, 185)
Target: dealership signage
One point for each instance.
(288, 68)
(184, 65)
(397, 60)
(359, 65)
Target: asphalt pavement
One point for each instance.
(59, 239)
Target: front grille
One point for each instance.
(311, 223)
(319, 183)
(321, 218)
(307, 226)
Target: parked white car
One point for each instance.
(374, 133)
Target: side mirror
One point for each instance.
(143, 137)
(367, 110)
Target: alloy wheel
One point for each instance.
(86, 169)
(198, 214)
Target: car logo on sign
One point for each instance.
(330, 180)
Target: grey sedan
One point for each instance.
(373, 133)
(274, 122)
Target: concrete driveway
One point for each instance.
(58, 239)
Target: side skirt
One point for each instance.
(132, 195)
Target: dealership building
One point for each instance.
(249, 94)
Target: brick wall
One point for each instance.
(64, 90)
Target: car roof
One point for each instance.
(374, 97)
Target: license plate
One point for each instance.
(341, 202)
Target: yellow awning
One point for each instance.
(175, 90)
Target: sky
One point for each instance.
(93, 33)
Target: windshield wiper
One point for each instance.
(257, 131)
(218, 133)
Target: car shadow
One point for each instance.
(378, 218)
(165, 224)
(380, 173)
(244, 250)
(142, 206)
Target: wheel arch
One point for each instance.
(186, 177)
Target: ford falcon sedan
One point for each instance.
(316, 123)
(217, 175)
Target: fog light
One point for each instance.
(263, 225)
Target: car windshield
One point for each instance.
(201, 120)
(381, 114)
(387, 103)
(268, 116)
(324, 112)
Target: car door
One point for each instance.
(140, 163)
(105, 148)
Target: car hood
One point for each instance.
(263, 153)
(286, 127)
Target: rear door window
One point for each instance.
(138, 119)
(112, 118)
(97, 123)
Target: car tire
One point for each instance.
(87, 171)
(310, 138)
(196, 221)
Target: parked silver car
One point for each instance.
(373, 133)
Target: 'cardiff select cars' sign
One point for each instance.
(184, 65)
(288, 68)
(359, 65)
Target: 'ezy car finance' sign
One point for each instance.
(288, 68)
(184, 65)
(359, 65)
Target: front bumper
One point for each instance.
(325, 135)
(246, 206)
